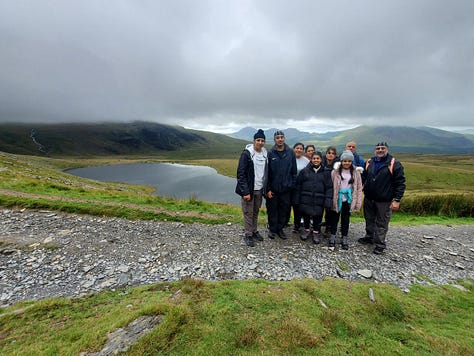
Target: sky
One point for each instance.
(221, 65)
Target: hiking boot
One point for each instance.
(305, 235)
(366, 240)
(282, 235)
(378, 250)
(271, 234)
(296, 229)
(345, 243)
(316, 239)
(249, 241)
(256, 235)
(332, 241)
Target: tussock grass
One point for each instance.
(440, 190)
(251, 317)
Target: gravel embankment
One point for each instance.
(46, 254)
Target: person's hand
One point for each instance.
(269, 194)
(247, 197)
(395, 205)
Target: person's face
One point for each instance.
(258, 143)
(351, 146)
(279, 140)
(346, 164)
(316, 160)
(380, 151)
(298, 151)
(330, 155)
(309, 152)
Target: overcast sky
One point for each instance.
(222, 65)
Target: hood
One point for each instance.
(250, 148)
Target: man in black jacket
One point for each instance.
(384, 186)
(251, 175)
(281, 181)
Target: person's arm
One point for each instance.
(398, 181)
(242, 180)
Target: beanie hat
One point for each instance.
(278, 133)
(347, 156)
(259, 134)
(382, 143)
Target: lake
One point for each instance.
(171, 180)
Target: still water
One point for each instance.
(171, 180)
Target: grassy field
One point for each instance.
(298, 317)
(440, 189)
(236, 317)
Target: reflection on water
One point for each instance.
(171, 180)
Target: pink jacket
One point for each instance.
(356, 204)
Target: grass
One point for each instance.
(237, 317)
(39, 182)
(251, 317)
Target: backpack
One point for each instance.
(390, 167)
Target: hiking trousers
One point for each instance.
(377, 217)
(250, 210)
(278, 211)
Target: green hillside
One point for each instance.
(400, 139)
(105, 139)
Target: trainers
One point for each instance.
(249, 241)
(345, 243)
(271, 234)
(332, 241)
(316, 239)
(256, 235)
(378, 250)
(366, 240)
(282, 235)
(305, 235)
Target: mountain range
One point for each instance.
(399, 138)
(146, 138)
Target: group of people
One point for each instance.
(316, 186)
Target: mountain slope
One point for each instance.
(135, 138)
(400, 139)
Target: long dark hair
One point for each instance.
(351, 170)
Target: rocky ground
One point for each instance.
(45, 254)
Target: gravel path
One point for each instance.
(45, 254)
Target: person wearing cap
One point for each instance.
(281, 180)
(358, 159)
(251, 175)
(384, 186)
(347, 196)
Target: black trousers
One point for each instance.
(278, 211)
(345, 215)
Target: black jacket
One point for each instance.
(281, 170)
(315, 190)
(384, 186)
(246, 174)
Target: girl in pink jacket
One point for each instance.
(347, 196)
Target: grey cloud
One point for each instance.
(214, 63)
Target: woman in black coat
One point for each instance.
(314, 186)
